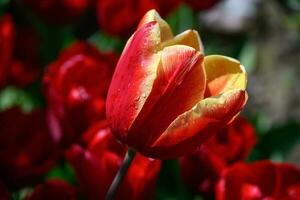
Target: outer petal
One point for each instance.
(180, 84)
(223, 74)
(152, 15)
(133, 78)
(189, 38)
(191, 128)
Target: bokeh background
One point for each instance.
(263, 34)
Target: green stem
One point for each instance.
(112, 191)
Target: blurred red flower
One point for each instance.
(25, 67)
(6, 46)
(53, 189)
(199, 5)
(165, 7)
(4, 194)
(97, 165)
(260, 180)
(121, 17)
(27, 150)
(232, 144)
(59, 12)
(76, 85)
(19, 53)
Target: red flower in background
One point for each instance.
(25, 67)
(59, 12)
(237, 139)
(6, 46)
(121, 17)
(199, 5)
(76, 85)
(54, 189)
(202, 170)
(4, 194)
(97, 165)
(27, 150)
(165, 7)
(260, 180)
(19, 54)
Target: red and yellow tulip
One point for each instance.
(166, 97)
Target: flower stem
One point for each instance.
(112, 191)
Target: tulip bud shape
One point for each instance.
(166, 97)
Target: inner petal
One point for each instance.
(223, 74)
(189, 38)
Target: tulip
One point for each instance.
(27, 149)
(96, 166)
(6, 46)
(201, 170)
(260, 180)
(50, 11)
(166, 98)
(76, 85)
(53, 189)
(202, 4)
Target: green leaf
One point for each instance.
(63, 171)
(12, 96)
(105, 42)
(277, 143)
(248, 56)
(22, 193)
(3, 3)
(182, 19)
(169, 184)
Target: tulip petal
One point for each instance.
(165, 30)
(189, 38)
(133, 78)
(191, 128)
(180, 84)
(223, 74)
